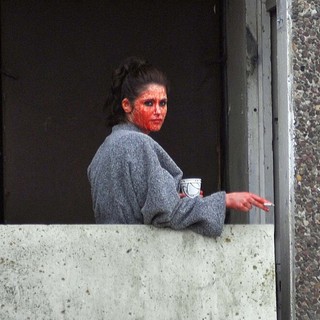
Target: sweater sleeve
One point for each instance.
(161, 205)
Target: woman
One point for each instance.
(133, 180)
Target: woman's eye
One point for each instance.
(148, 103)
(163, 103)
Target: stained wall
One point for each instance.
(306, 104)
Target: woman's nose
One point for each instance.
(157, 109)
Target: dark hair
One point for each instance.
(128, 81)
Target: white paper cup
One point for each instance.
(191, 187)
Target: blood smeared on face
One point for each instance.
(149, 110)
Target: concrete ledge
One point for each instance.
(136, 272)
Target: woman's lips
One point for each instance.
(157, 121)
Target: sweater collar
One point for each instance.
(126, 126)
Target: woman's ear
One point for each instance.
(126, 105)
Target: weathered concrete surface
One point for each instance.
(306, 106)
(136, 272)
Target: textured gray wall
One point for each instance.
(136, 272)
(306, 99)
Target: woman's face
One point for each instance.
(149, 109)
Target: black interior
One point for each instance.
(57, 58)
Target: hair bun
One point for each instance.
(132, 65)
(129, 66)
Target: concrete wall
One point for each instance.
(136, 272)
(306, 105)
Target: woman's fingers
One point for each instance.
(244, 201)
(259, 199)
(260, 202)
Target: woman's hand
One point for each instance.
(244, 201)
(183, 195)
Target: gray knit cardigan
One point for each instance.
(134, 181)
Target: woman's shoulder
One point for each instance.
(131, 137)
